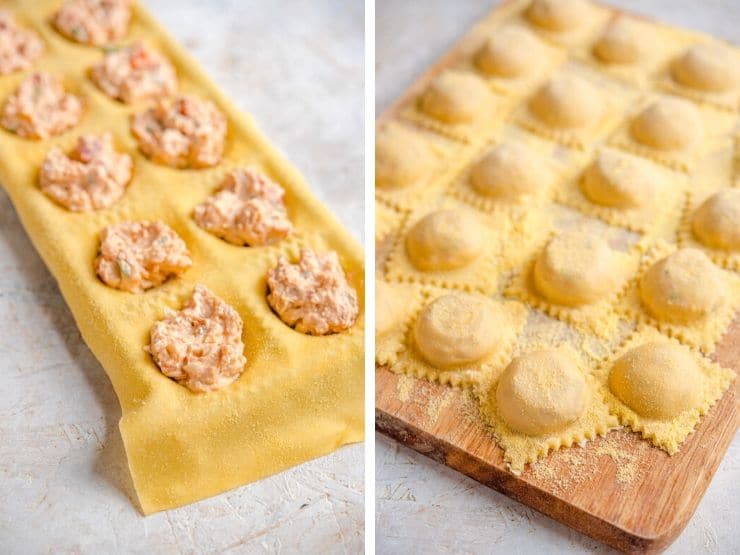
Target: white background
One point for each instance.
(64, 484)
(424, 507)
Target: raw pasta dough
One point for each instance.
(445, 240)
(456, 97)
(716, 222)
(567, 102)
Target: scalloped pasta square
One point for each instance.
(575, 107)
(671, 131)
(544, 400)
(387, 220)
(630, 49)
(511, 58)
(458, 104)
(707, 71)
(564, 23)
(517, 168)
(459, 338)
(626, 191)
(577, 278)
(412, 163)
(711, 222)
(640, 386)
(395, 305)
(683, 294)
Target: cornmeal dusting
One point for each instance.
(41, 108)
(136, 256)
(186, 132)
(248, 209)
(93, 177)
(313, 296)
(135, 73)
(93, 22)
(201, 345)
(19, 47)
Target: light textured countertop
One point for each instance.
(64, 484)
(425, 507)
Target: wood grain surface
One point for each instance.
(582, 487)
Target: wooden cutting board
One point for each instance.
(619, 489)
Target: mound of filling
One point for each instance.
(137, 72)
(248, 209)
(185, 132)
(19, 47)
(136, 256)
(92, 177)
(93, 22)
(41, 108)
(201, 345)
(312, 296)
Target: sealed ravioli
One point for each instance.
(712, 223)
(626, 190)
(575, 277)
(543, 400)
(682, 293)
(660, 388)
(19, 47)
(564, 22)
(41, 108)
(458, 104)
(706, 72)
(94, 176)
(457, 338)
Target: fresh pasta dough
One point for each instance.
(620, 43)
(557, 15)
(683, 287)
(619, 180)
(576, 268)
(657, 380)
(456, 97)
(387, 308)
(541, 392)
(445, 240)
(716, 222)
(567, 102)
(457, 329)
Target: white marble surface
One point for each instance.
(64, 484)
(425, 507)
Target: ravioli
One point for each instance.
(557, 15)
(668, 124)
(619, 180)
(708, 68)
(657, 380)
(456, 97)
(683, 287)
(511, 170)
(567, 102)
(575, 269)
(716, 223)
(620, 43)
(402, 157)
(457, 329)
(510, 52)
(541, 392)
(445, 240)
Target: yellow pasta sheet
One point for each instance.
(299, 397)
